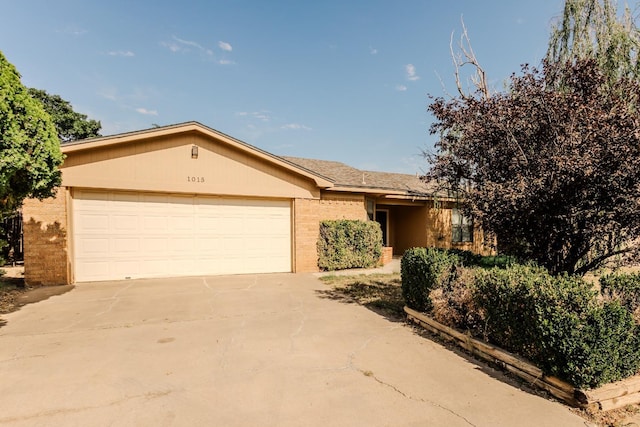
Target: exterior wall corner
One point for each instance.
(45, 231)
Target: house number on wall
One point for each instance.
(195, 179)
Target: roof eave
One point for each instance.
(387, 192)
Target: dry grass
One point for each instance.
(381, 293)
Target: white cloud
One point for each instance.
(295, 126)
(188, 43)
(126, 53)
(226, 62)
(109, 93)
(173, 47)
(263, 115)
(373, 51)
(401, 88)
(411, 72)
(182, 45)
(73, 31)
(225, 46)
(147, 112)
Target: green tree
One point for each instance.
(594, 29)
(29, 147)
(70, 125)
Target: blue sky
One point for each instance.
(344, 80)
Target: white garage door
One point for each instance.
(133, 235)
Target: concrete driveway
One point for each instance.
(257, 350)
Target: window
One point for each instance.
(461, 227)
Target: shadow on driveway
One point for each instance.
(382, 295)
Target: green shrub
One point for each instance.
(466, 258)
(349, 244)
(624, 288)
(502, 261)
(558, 323)
(598, 346)
(423, 269)
(506, 297)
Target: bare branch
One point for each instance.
(466, 56)
(599, 260)
(444, 88)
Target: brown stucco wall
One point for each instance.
(45, 240)
(307, 216)
(164, 164)
(409, 225)
(423, 225)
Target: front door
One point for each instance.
(382, 217)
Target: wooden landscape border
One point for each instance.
(609, 396)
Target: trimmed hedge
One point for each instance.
(349, 244)
(424, 269)
(559, 323)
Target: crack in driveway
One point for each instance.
(351, 365)
(415, 399)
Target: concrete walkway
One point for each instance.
(389, 268)
(256, 350)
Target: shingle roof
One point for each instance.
(347, 176)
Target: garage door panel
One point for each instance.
(152, 246)
(214, 246)
(180, 246)
(92, 199)
(153, 223)
(94, 246)
(153, 267)
(123, 268)
(94, 222)
(119, 235)
(180, 223)
(124, 223)
(97, 268)
(124, 246)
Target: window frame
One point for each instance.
(461, 227)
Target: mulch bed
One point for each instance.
(15, 294)
(11, 291)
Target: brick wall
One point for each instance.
(387, 255)
(342, 206)
(306, 229)
(307, 216)
(45, 240)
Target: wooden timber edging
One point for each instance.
(607, 397)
